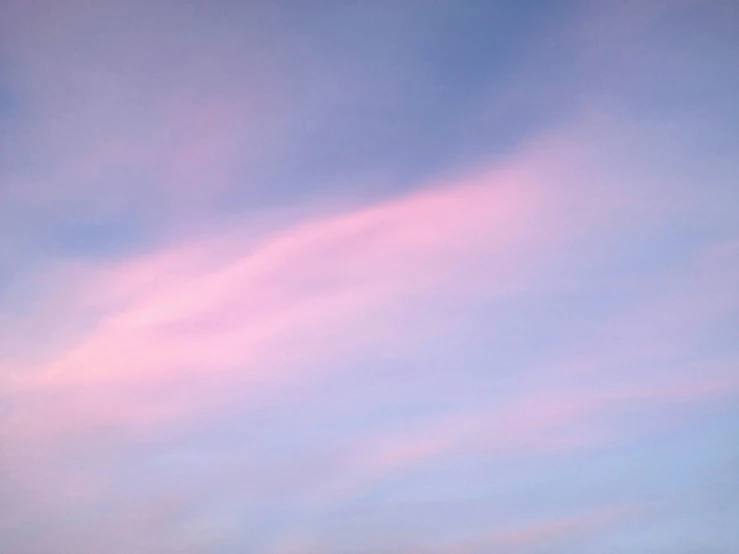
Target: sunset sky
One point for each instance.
(369, 277)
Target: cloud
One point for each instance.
(550, 421)
(214, 333)
(233, 309)
(524, 537)
(220, 324)
(545, 534)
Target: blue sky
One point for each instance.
(439, 277)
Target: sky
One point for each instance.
(381, 277)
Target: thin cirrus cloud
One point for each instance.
(521, 538)
(197, 310)
(177, 330)
(370, 279)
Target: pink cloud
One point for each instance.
(514, 538)
(240, 307)
(161, 339)
(257, 309)
(552, 420)
(544, 534)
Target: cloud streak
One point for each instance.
(343, 278)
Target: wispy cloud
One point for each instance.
(272, 274)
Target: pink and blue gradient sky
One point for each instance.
(332, 277)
